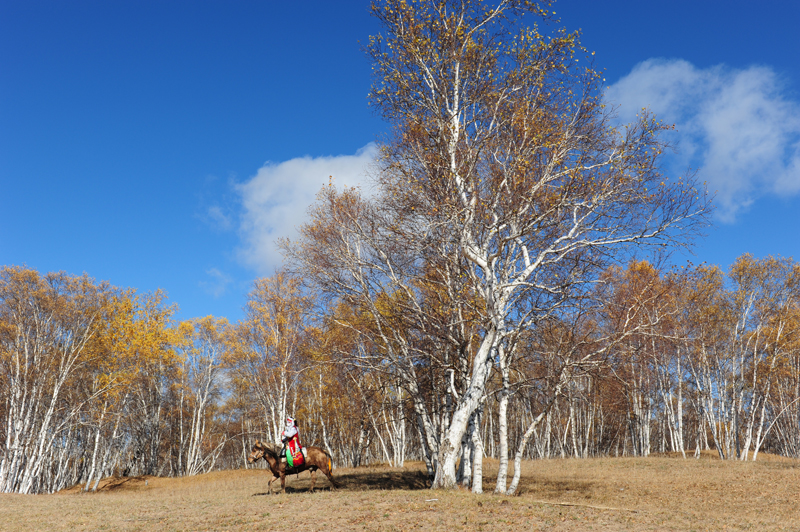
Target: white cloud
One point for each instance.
(216, 205)
(216, 218)
(218, 283)
(275, 201)
(738, 128)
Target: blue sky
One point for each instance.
(166, 144)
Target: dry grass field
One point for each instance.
(656, 493)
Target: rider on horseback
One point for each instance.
(290, 436)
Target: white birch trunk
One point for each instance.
(477, 460)
(469, 401)
(96, 446)
(502, 423)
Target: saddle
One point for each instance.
(295, 454)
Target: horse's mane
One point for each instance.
(270, 449)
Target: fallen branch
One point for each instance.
(584, 506)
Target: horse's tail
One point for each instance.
(330, 460)
(330, 469)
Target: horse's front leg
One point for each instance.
(269, 484)
(283, 482)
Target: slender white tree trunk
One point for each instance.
(448, 450)
(96, 447)
(512, 489)
(502, 423)
(477, 454)
(104, 463)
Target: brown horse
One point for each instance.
(316, 459)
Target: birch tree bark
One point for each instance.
(477, 453)
(502, 418)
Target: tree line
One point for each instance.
(96, 381)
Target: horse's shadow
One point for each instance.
(363, 480)
(555, 489)
(290, 489)
(382, 479)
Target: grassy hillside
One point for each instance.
(656, 493)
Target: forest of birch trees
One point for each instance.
(504, 291)
(96, 381)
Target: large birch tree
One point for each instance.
(500, 134)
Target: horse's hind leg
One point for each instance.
(329, 474)
(313, 479)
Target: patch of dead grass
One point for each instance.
(598, 494)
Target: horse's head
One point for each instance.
(257, 453)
